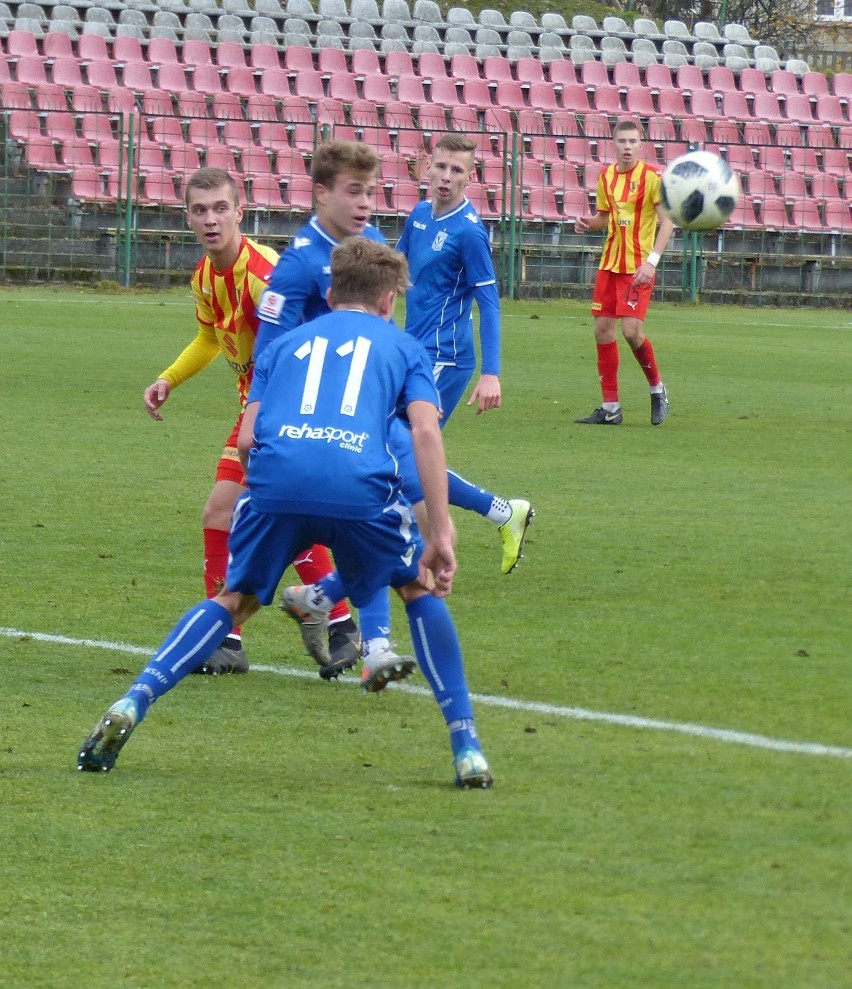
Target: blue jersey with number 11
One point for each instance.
(328, 391)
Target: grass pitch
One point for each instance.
(274, 830)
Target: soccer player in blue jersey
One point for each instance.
(449, 257)
(315, 444)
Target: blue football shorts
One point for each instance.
(451, 382)
(369, 556)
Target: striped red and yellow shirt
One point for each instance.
(630, 199)
(226, 309)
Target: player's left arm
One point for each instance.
(646, 271)
(486, 395)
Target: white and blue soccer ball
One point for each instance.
(700, 191)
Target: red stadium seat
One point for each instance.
(836, 162)
(202, 133)
(563, 175)
(607, 99)
(743, 216)
(254, 161)
(56, 44)
(295, 109)
(398, 115)
(829, 110)
(814, 84)
(297, 58)
(377, 89)
(273, 136)
(184, 159)
(444, 92)
(531, 121)
(266, 192)
(638, 101)
(752, 81)
(60, 126)
(837, 216)
(575, 98)
(757, 132)
(275, 82)
(773, 214)
(793, 186)
(397, 64)
(237, 135)
(671, 103)
(260, 106)
(66, 72)
(797, 106)
(364, 113)
(497, 119)
(841, 85)
(824, 186)
(820, 136)
(264, 57)
(40, 154)
(404, 196)
(464, 67)
(626, 76)
(162, 51)
(159, 190)
(342, 85)
(477, 94)
(575, 203)
(365, 62)
(287, 162)
(529, 70)
(192, 104)
(497, 68)
(720, 79)
(137, 77)
(542, 206)
(597, 125)
(767, 107)
(563, 123)
(543, 97)
(230, 55)
(194, 52)
(689, 79)
(227, 106)
(23, 124)
(21, 43)
(124, 48)
(806, 215)
(772, 158)
(157, 103)
(409, 89)
(562, 72)
(206, 79)
(300, 194)
(658, 78)
(15, 96)
(330, 111)
(30, 70)
(576, 150)
(97, 127)
(308, 84)
(101, 73)
(703, 104)
(725, 131)
(465, 118)
(594, 74)
(51, 96)
(88, 185)
(431, 65)
(693, 130)
(509, 94)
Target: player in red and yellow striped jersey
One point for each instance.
(227, 285)
(629, 208)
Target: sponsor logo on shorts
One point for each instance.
(344, 438)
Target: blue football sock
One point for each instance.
(438, 652)
(465, 495)
(374, 617)
(332, 586)
(193, 640)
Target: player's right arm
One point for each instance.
(282, 305)
(598, 221)
(192, 359)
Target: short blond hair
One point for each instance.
(335, 157)
(208, 179)
(362, 271)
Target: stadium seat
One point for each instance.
(87, 185)
(465, 118)
(288, 162)
(752, 81)
(542, 205)
(563, 123)
(829, 110)
(184, 159)
(273, 136)
(575, 203)
(192, 104)
(22, 43)
(409, 90)
(431, 118)
(772, 158)
(497, 119)
(658, 78)
(638, 101)
(531, 121)
(444, 92)
(254, 160)
(159, 190)
(230, 55)
(766, 107)
(725, 131)
(40, 154)
(237, 135)
(773, 214)
(163, 51)
(137, 77)
(576, 150)
(575, 98)
(835, 162)
(96, 128)
(30, 70)
(597, 125)
(735, 106)
(789, 135)
(626, 76)
(14, 95)
(206, 79)
(824, 186)
(797, 106)
(757, 133)
(266, 192)
(364, 113)
(157, 103)
(51, 96)
(805, 215)
(308, 84)
(101, 73)
(342, 86)
(398, 115)
(264, 57)
(275, 82)
(792, 185)
(477, 94)
(376, 89)
(300, 194)
(591, 173)
(202, 133)
(562, 73)
(837, 216)
(543, 149)
(671, 103)
(330, 111)
(814, 84)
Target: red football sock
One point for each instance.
(215, 564)
(608, 370)
(648, 362)
(313, 564)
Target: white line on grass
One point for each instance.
(488, 700)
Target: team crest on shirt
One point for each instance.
(271, 305)
(440, 240)
(301, 242)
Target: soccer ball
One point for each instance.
(700, 191)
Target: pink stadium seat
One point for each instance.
(542, 206)
(404, 196)
(740, 157)
(725, 132)
(398, 64)
(137, 76)
(341, 85)
(805, 160)
(693, 130)
(444, 92)
(594, 74)
(844, 137)
(275, 82)
(626, 76)
(752, 81)
(772, 159)
(689, 79)
(51, 96)
(591, 174)
(431, 118)
(797, 106)
(101, 73)
(297, 58)
(394, 167)
(157, 103)
(597, 125)
(575, 98)
(531, 121)
(237, 135)
(202, 133)
(757, 132)
(841, 85)
(564, 123)
(377, 90)
(767, 107)
(260, 106)
(744, 215)
(576, 150)
(773, 214)
(300, 194)
(184, 159)
(671, 103)
(575, 203)
(409, 142)
(477, 94)
(509, 94)
(789, 135)
(529, 70)
(542, 148)
(829, 110)
(330, 61)
(498, 120)
(658, 78)
(56, 44)
(703, 104)
(124, 48)
(254, 161)
(431, 65)
(820, 136)
(192, 104)
(464, 67)
(814, 84)
(206, 79)
(837, 216)
(806, 215)
(365, 62)
(398, 115)
(218, 156)
(302, 138)
(563, 175)
(288, 162)
(308, 84)
(266, 192)
(409, 90)
(167, 132)
(792, 185)
(542, 96)
(40, 154)
(480, 197)
(194, 52)
(330, 111)
(660, 128)
(638, 101)
(364, 113)
(671, 150)
(721, 80)
(159, 190)
(149, 156)
(96, 127)
(264, 57)
(162, 51)
(30, 70)
(295, 109)
(273, 136)
(66, 72)
(465, 118)
(15, 96)
(121, 100)
(227, 106)
(87, 185)
(23, 124)
(562, 72)
(497, 68)
(230, 55)
(836, 162)
(824, 186)
(784, 83)
(22, 43)
(60, 126)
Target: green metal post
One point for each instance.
(128, 197)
